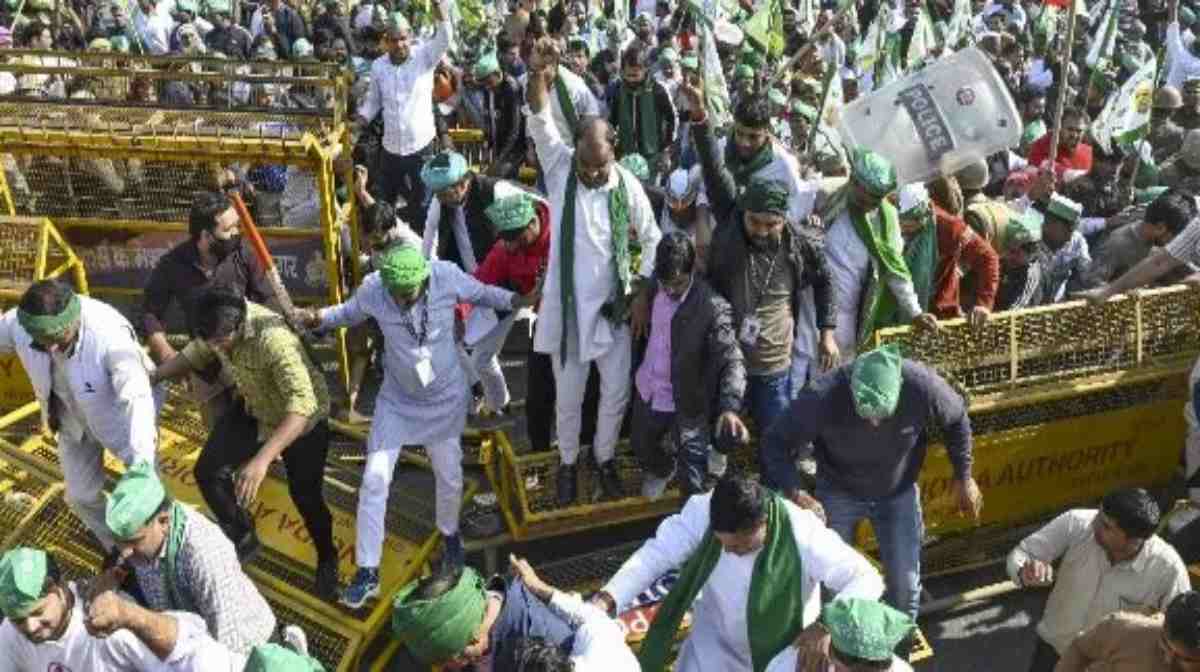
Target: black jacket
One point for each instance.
(479, 228)
(728, 253)
(506, 136)
(708, 374)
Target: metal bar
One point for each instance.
(1139, 330)
(1014, 351)
(39, 264)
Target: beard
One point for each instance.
(767, 243)
(223, 247)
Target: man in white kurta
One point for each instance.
(90, 376)
(424, 396)
(589, 335)
(719, 639)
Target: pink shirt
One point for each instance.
(654, 375)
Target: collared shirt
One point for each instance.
(1066, 268)
(210, 577)
(654, 375)
(271, 369)
(180, 277)
(405, 94)
(599, 643)
(1087, 587)
(1123, 642)
(1182, 63)
(1185, 247)
(154, 30)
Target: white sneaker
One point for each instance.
(296, 640)
(717, 463)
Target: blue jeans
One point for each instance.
(768, 397)
(898, 526)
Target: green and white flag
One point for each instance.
(806, 16)
(765, 28)
(924, 40)
(1126, 116)
(1104, 42)
(958, 28)
(833, 99)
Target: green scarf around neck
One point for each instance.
(639, 102)
(878, 232)
(743, 170)
(921, 257)
(774, 610)
(618, 220)
(565, 102)
(174, 542)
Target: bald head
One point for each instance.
(594, 156)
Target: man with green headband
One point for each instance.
(48, 625)
(860, 636)
(91, 379)
(425, 392)
(868, 424)
(641, 111)
(751, 566)
(604, 238)
(183, 562)
(1018, 242)
(283, 415)
(402, 89)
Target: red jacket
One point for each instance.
(519, 270)
(1079, 159)
(958, 242)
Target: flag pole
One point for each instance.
(1061, 100)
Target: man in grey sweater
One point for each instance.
(868, 422)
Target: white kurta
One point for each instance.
(786, 662)
(593, 244)
(719, 638)
(77, 651)
(408, 412)
(599, 643)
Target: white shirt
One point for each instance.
(405, 94)
(77, 651)
(719, 638)
(154, 30)
(1087, 587)
(1182, 64)
(593, 243)
(599, 644)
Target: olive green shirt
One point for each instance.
(271, 370)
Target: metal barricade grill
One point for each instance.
(1084, 404)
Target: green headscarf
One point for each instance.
(22, 577)
(276, 658)
(436, 630)
(875, 381)
(403, 268)
(763, 195)
(51, 326)
(875, 173)
(133, 502)
(511, 213)
(866, 629)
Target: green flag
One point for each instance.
(765, 28)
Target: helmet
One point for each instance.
(1167, 98)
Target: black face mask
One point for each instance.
(223, 248)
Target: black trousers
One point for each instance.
(401, 176)
(1044, 657)
(540, 397)
(648, 430)
(232, 442)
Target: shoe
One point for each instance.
(295, 639)
(568, 485)
(247, 546)
(326, 579)
(363, 587)
(654, 487)
(610, 481)
(453, 553)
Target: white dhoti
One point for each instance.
(570, 380)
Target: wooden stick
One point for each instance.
(1064, 85)
(282, 297)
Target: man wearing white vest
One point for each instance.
(90, 376)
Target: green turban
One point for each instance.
(276, 658)
(636, 164)
(1064, 208)
(511, 213)
(486, 66)
(403, 268)
(51, 326)
(875, 382)
(133, 502)
(743, 71)
(438, 629)
(22, 577)
(866, 629)
(444, 171)
(763, 195)
(875, 173)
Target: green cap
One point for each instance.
(668, 55)
(636, 164)
(1064, 208)
(763, 195)
(186, 6)
(1023, 228)
(803, 109)
(743, 71)
(873, 172)
(875, 382)
(396, 21)
(690, 63)
(486, 65)
(133, 502)
(777, 97)
(403, 268)
(511, 213)
(438, 629)
(1149, 194)
(22, 577)
(865, 629)
(444, 171)
(276, 658)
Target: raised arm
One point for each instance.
(676, 539)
